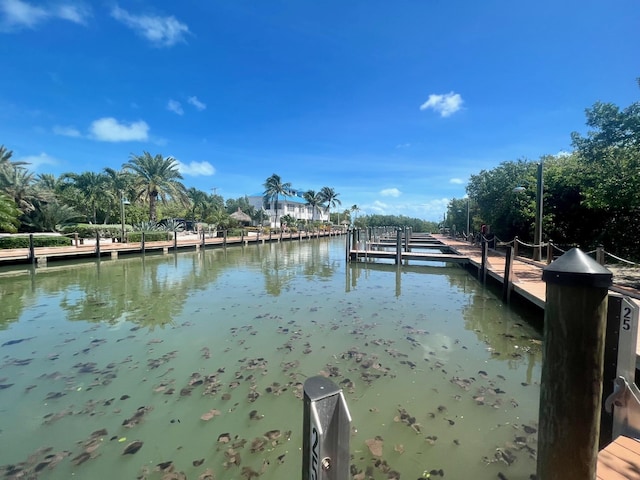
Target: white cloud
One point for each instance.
(20, 14)
(390, 192)
(446, 104)
(175, 107)
(17, 13)
(456, 181)
(108, 129)
(66, 131)
(434, 209)
(73, 13)
(161, 31)
(36, 161)
(195, 169)
(403, 145)
(197, 103)
(563, 153)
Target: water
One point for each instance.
(139, 349)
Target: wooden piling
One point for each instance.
(398, 246)
(406, 239)
(507, 285)
(97, 244)
(32, 250)
(482, 273)
(142, 243)
(572, 369)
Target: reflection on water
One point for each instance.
(194, 363)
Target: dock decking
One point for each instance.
(620, 460)
(110, 249)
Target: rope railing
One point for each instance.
(629, 262)
(552, 248)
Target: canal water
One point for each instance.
(191, 365)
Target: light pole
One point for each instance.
(537, 232)
(537, 235)
(468, 224)
(123, 202)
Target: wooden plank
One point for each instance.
(429, 257)
(620, 460)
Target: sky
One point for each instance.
(393, 104)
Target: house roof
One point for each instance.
(240, 216)
(286, 198)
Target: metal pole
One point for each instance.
(122, 217)
(326, 431)
(537, 235)
(468, 218)
(572, 368)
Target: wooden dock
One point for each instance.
(620, 460)
(420, 256)
(526, 274)
(109, 249)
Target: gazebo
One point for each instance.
(241, 217)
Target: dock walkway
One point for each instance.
(108, 248)
(620, 460)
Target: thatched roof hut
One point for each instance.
(241, 217)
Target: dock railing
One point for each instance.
(626, 271)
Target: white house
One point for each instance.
(294, 205)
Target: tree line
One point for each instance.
(591, 196)
(150, 186)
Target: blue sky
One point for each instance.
(391, 103)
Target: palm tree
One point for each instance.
(90, 191)
(330, 199)
(9, 214)
(119, 187)
(6, 165)
(354, 209)
(49, 217)
(48, 182)
(199, 201)
(21, 188)
(156, 178)
(273, 188)
(314, 199)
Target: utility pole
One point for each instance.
(537, 235)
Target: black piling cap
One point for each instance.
(576, 268)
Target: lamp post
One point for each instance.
(468, 224)
(537, 233)
(123, 202)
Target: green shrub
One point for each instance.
(234, 232)
(88, 230)
(135, 237)
(22, 241)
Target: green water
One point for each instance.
(115, 345)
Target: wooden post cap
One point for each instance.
(576, 268)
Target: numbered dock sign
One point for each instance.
(627, 339)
